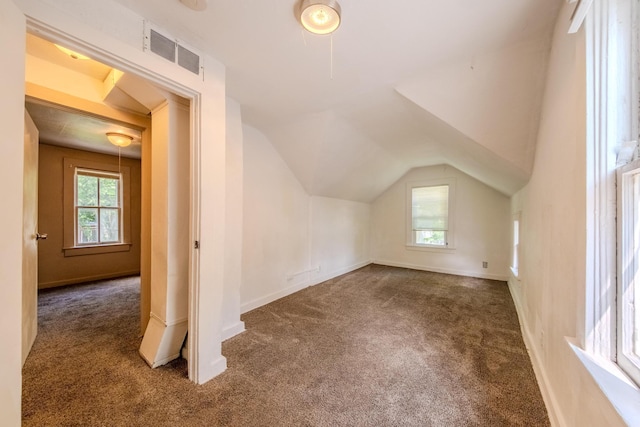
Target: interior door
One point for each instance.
(30, 238)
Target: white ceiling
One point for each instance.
(413, 83)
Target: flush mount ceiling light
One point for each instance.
(320, 16)
(119, 139)
(74, 55)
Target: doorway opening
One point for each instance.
(74, 118)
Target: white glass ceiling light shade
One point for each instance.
(119, 139)
(320, 16)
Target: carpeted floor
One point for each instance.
(377, 347)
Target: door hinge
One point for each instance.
(196, 245)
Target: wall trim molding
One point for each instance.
(93, 278)
(211, 370)
(233, 330)
(549, 398)
(599, 329)
(500, 277)
(259, 302)
(339, 272)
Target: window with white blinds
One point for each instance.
(430, 213)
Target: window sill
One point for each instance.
(95, 250)
(623, 394)
(436, 249)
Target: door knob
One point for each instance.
(41, 236)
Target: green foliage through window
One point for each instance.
(431, 237)
(98, 209)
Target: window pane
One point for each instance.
(109, 192)
(87, 190)
(634, 328)
(431, 237)
(516, 244)
(628, 356)
(98, 207)
(87, 225)
(109, 225)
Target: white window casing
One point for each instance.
(430, 207)
(101, 204)
(628, 339)
(610, 31)
(515, 249)
(70, 232)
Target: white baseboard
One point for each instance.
(215, 368)
(339, 272)
(233, 330)
(73, 281)
(550, 401)
(500, 277)
(259, 302)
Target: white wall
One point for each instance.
(231, 324)
(481, 222)
(339, 236)
(275, 235)
(12, 43)
(549, 294)
(287, 234)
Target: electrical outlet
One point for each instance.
(485, 264)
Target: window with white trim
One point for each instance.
(626, 71)
(629, 269)
(429, 222)
(612, 59)
(515, 249)
(97, 208)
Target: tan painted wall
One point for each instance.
(54, 269)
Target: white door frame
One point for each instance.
(205, 358)
(12, 23)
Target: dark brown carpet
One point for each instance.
(380, 346)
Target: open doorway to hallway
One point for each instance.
(96, 198)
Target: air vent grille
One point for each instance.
(188, 60)
(163, 46)
(171, 50)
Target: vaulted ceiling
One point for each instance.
(401, 84)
